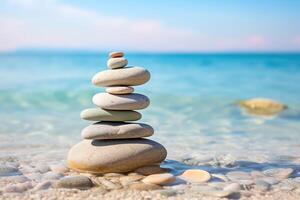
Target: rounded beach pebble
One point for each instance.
(114, 63)
(151, 169)
(78, 182)
(120, 90)
(121, 102)
(97, 114)
(196, 176)
(261, 106)
(104, 156)
(116, 54)
(129, 76)
(159, 179)
(116, 130)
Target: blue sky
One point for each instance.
(176, 26)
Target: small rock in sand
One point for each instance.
(196, 176)
(233, 187)
(52, 176)
(214, 192)
(16, 179)
(112, 174)
(238, 175)
(43, 185)
(131, 178)
(262, 185)
(6, 170)
(59, 168)
(279, 173)
(34, 176)
(167, 192)
(151, 169)
(79, 182)
(42, 168)
(159, 179)
(110, 185)
(18, 188)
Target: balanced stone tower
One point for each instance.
(113, 144)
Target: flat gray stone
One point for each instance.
(6, 170)
(132, 101)
(116, 130)
(104, 156)
(52, 176)
(43, 185)
(78, 182)
(262, 185)
(238, 175)
(129, 76)
(209, 191)
(233, 187)
(279, 173)
(98, 114)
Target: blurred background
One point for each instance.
(204, 57)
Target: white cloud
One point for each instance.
(64, 26)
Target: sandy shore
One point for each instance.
(39, 181)
(96, 193)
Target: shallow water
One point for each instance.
(193, 105)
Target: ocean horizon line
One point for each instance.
(62, 51)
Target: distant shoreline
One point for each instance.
(44, 52)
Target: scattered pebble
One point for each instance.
(78, 182)
(110, 185)
(159, 179)
(262, 185)
(144, 186)
(6, 170)
(196, 176)
(151, 169)
(238, 175)
(113, 175)
(270, 180)
(233, 187)
(43, 185)
(59, 168)
(34, 176)
(279, 173)
(257, 174)
(167, 192)
(16, 179)
(215, 193)
(18, 188)
(42, 168)
(52, 176)
(220, 177)
(126, 180)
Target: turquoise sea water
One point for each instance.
(193, 102)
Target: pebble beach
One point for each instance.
(220, 146)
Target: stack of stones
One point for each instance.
(113, 144)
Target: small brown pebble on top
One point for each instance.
(116, 54)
